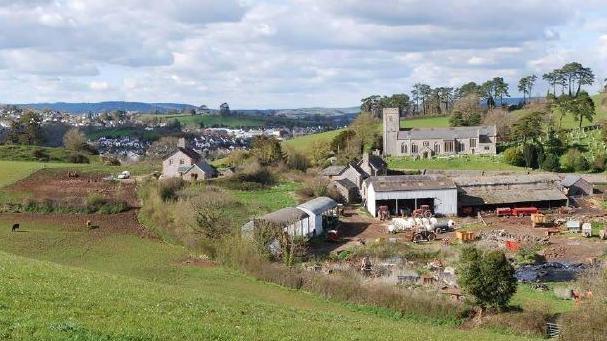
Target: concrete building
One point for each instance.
(409, 192)
(427, 142)
(187, 164)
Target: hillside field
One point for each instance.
(213, 120)
(66, 282)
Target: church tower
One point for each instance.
(391, 117)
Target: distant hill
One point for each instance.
(82, 108)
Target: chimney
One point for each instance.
(181, 142)
(365, 158)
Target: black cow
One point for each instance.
(15, 227)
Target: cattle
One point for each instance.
(15, 227)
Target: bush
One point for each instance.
(167, 188)
(77, 158)
(316, 187)
(487, 276)
(574, 160)
(297, 161)
(109, 160)
(598, 165)
(587, 320)
(551, 163)
(254, 172)
(41, 154)
(514, 156)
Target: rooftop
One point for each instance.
(332, 170)
(285, 216)
(447, 133)
(319, 205)
(410, 183)
(494, 180)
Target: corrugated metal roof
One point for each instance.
(319, 205)
(410, 183)
(475, 197)
(447, 133)
(570, 179)
(287, 215)
(505, 179)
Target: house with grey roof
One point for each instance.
(575, 185)
(187, 164)
(348, 180)
(428, 142)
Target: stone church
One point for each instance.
(428, 142)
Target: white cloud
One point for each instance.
(267, 53)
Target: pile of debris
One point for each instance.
(501, 236)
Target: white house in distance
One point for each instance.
(187, 164)
(409, 192)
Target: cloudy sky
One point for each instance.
(283, 53)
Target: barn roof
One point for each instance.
(319, 205)
(521, 179)
(570, 179)
(410, 183)
(477, 197)
(447, 133)
(285, 216)
(332, 170)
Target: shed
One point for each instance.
(410, 192)
(575, 185)
(295, 221)
(319, 209)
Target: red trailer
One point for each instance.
(523, 211)
(519, 211)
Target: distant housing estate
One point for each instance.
(427, 142)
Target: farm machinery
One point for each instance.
(420, 229)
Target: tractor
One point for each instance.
(422, 212)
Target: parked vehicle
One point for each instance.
(515, 212)
(423, 211)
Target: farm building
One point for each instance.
(308, 219)
(187, 164)
(574, 185)
(409, 192)
(348, 180)
(320, 210)
(490, 192)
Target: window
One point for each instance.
(181, 162)
(403, 148)
(436, 148)
(426, 143)
(170, 161)
(448, 146)
(486, 147)
(413, 149)
(472, 143)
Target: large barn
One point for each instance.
(408, 192)
(490, 192)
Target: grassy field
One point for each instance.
(305, 144)
(11, 171)
(67, 283)
(212, 120)
(569, 122)
(425, 122)
(268, 200)
(462, 162)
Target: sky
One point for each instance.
(285, 53)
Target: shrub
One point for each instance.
(551, 163)
(598, 165)
(513, 156)
(316, 187)
(78, 158)
(167, 188)
(110, 160)
(297, 161)
(94, 202)
(487, 276)
(574, 160)
(254, 172)
(113, 207)
(528, 255)
(41, 154)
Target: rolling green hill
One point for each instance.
(65, 282)
(600, 103)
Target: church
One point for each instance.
(428, 142)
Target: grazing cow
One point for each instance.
(15, 227)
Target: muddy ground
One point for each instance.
(73, 188)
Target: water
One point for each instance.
(549, 272)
